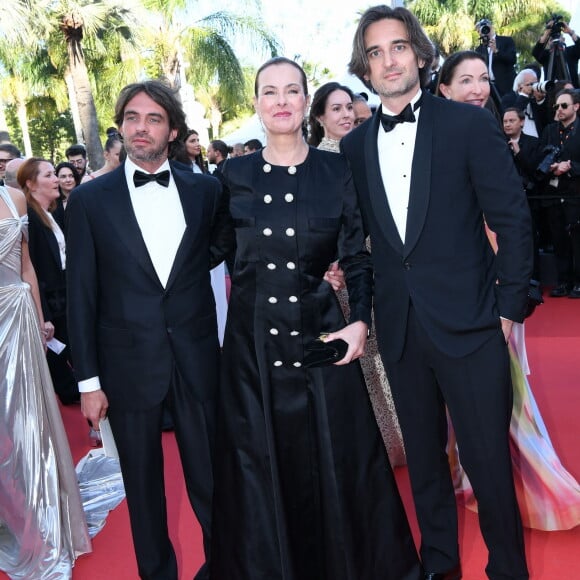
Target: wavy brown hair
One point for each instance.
(29, 171)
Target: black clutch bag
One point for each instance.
(319, 353)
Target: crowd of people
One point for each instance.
(379, 272)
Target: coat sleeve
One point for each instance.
(354, 258)
(82, 285)
(506, 211)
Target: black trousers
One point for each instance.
(478, 393)
(563, 220)
(60, 365)
(138, 439)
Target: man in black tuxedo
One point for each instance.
(562, 191)
(525, 150)
(500, 54)
(142, 315)
(444, 302)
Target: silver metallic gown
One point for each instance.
(42, 524)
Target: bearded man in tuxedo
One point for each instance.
(143, 331)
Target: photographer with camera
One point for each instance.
(560, 62)
(500, 55)
(529, 96)
(559, 170)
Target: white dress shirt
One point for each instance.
(160, 218)
(396, 149)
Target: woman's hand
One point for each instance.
(48, 331)
(335, 277)
(355, 335)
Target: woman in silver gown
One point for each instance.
(42, 524)
(331, 117)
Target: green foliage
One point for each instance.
(51, 131)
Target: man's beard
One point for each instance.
(138, 154)
(392, 92)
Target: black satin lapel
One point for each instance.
(117, 203)
(376, 186)
(191, 213)
(420, 175)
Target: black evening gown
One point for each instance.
(304, 489)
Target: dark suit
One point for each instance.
(502, 63)
(563, 202)
(45, 257)
(540, 113)
(437, 315)
(151, 346)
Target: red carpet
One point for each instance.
(553, 344)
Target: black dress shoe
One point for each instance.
(575, 292)
(454, 574)
(560, 291)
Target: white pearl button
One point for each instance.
(267, 168)
(291, 266)
(267, 198)
(294, 333)
(289, 197)
(293, 299)
(274, 331)
(297, 364)
(290, 232)
(272, 300)
(291, 170)
(267, 231)
(271, 266)
(277, 363)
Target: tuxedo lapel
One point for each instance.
(192, 214)
(420, 174)
(117, 204)
(376, 187)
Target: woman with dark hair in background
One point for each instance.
(68, 179)
(112, 153)
(42, 524)
(548, 496)
(331, 117)
(193, 151)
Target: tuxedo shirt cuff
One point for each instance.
(89, 385)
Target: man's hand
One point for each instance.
(335, 277)
(506, 326)
(561, 167)
(94, 406)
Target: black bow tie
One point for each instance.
(140, 178)
(407, 115)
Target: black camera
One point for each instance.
(484, 27)
(557, 25)
(551, 155)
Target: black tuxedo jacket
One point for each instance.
(462, 169)
(526, 159)
(124, 325)
(45, 257)
(540, 112)
(503, 63)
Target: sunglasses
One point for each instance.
(563, 105)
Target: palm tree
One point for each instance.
(203, 48)
(85, 26)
